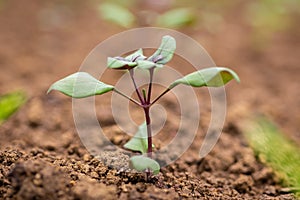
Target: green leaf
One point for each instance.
(176, 18)
(128, 62)
(119, 63)
(139, 142)
(146, 64)
(138, 55)
(210, 77)
(10, 103)
(80, 85)
(141, 163)
(117, 14)
(165, 51)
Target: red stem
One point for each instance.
(150, 85)
(149, 134)
(135, 86)
(146, 104)
(127, 97)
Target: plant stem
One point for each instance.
(150, 85)
(146, 104)
(144, 95)
(131, 72)
(147, 114)
(149, 133)
(127, 97)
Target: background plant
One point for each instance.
(82, 84)
(10, 103)
(276, 150)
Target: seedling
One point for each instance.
(120, 14)
(10, 103)
(81, 84)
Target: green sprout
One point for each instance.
(10, 103)
(81, 84)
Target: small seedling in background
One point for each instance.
(10, 103)
(177, 18)
(121, 15)
(117, 14)
(81, 84)
(268, 18)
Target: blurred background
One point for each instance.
(43, 41)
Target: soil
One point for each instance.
(42, 157)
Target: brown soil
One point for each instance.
(41, 156)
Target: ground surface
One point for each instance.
(41, 156)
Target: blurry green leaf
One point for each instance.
(117, 14)
(268, 16)
(176, 18)
(10, 103)
(119, 63)
(165, 51)
(2, 4)
(141, 163)
(127, 3)
(79, 85)
(210, 77)
(139, 142)
(275, 150)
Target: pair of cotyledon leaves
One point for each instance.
(82, 84)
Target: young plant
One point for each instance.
(81, 84)
(10, 103)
